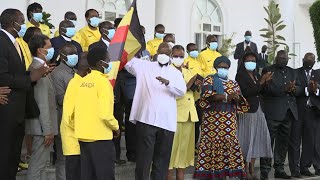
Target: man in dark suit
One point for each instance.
(66, 31)
(107, 31)
(280, 109)
(13, 75)
(263, 58)
(307, 126)
(242, 46)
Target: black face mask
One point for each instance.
(308, 65)
(281, 62)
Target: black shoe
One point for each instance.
(307, 173)
(264, 176)
(296, 175)
(120, 161)
(282, 175)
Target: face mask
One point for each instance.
(163, 59)
(94, 21)
(37, 17)
(23, 30)
(50, 54)
(223, 73)
(250, 66)
(107, 70)
(171, 44)
(74, 22)
(72, 60)
(160, 35)
(194, 54)
(247, 38)
(111, 33)
(71, 31)
(308, 65)
(177, 62)
(213, 46)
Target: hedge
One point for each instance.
(315, 19)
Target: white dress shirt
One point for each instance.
(66, 38)
(306, 90)
(246, 45)
(106, 42)
(155, 103)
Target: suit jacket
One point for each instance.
(130, 85)
(44, 95)
(13, 74)
(98, 44)
(301, 94)
(240, 50)
(249, 89)
(58, 42)
(276, 102)
(262, 62)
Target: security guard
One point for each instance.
(34, 13)
(152, 45)
(209, 55)
(89, 34)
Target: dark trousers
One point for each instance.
(153, 146)
(73, 167)
(311, 140)
(198, 124)
(130, 133)
(294, 145)
(97, 160)
(12, 134)
(280, 135)
(118, 114)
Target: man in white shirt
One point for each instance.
(154, 111)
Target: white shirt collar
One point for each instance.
(66, 38)
(13, 40)
(106, 42)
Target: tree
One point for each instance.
(227, 47)
(315, 19)
(46, 20)
(271, 33)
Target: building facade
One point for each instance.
(193, 20)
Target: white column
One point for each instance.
(176, 17)
(287, 9)
(146, 12)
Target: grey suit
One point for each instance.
(45, 124)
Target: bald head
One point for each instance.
(164, 48)
(309, 56)
(63, 25)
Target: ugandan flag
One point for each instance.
(126, 43)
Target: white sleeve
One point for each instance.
(306, 91)
(177, 85)
(135, 66)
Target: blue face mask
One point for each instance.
(50, 54)
(111, 33)
(73, 21)
(160, 35)
(37, 17)
(72, 60)
(247, 38)
(223, 73)
(213, 46)
(23, 30)
(71, 31)
(94, 21)
(108, 69)
(194, 54)
(250, 66)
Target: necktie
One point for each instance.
(16, 45)
(308, 76)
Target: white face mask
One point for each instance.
(177, 61)
(171, 44)
(163, 59)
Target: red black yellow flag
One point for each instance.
(127, 41)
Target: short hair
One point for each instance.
(68, 14)
(67, 45)
(103, 24)
(37, 41)
(177, 47)
(159, 26)
(168, 36)
(88, 11)
(282, 52)
(32, 7)
(117, 22)
(95, 55)
(64, 23)
(7, 17)
(309, 54)
(210, 37)
(189, 46)
(29, 33)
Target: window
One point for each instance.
(115, 9)
(207, 19)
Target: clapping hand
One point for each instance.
(4, 91)
(233, 97)
(266, 77)
(291, 87)
(163, 81)
(313, 86)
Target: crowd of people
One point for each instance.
(177, 106)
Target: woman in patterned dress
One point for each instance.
(219, 150)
